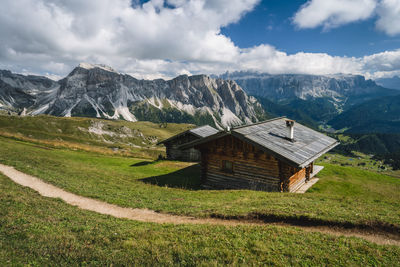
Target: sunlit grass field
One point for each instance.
(96, 135)
(37, 231)
(343, 194)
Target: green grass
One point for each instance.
(358, 160)
(39, 231)
(138, 138)
(343, 194)
(48, 127)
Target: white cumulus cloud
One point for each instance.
(161, 38)
(333, 13)
(389, 17)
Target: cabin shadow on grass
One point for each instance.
(186, 178)
(143, 163)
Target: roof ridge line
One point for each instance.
(260, 122)
(184, 132)
(198, 127)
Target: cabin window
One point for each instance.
(227, 166)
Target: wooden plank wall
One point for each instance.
(174, 153)
(291, 177)
(297, 180)
(252, 168)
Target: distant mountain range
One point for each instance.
(393, 83)
(312, 99)
(343, 90)
(99, 91)
(368, 113)
(347, 102)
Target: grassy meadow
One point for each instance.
(343, 195)
(40, 231)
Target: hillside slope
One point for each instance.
(91, 134)
(393, 83)
(312, 113)
(381, 115)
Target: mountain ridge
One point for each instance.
(343, 90)
(99, 91)
(392, 83)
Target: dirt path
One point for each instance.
(145, 215)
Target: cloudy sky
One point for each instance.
(165, 38)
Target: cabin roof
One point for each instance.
(203, 131)
(271, 136)
(200, 132)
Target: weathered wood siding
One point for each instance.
(174, 153)
(252, 168)
(297, 179)
(291, 177)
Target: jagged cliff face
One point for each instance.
(19, 91)
(341, 89)
(99, 91)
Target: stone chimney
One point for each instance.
(290, 130)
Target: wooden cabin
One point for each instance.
(274, 155)
(173, 144)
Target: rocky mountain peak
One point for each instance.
(89, 66)
(93, 90)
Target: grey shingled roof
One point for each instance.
(270, 136)
(201, 132)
